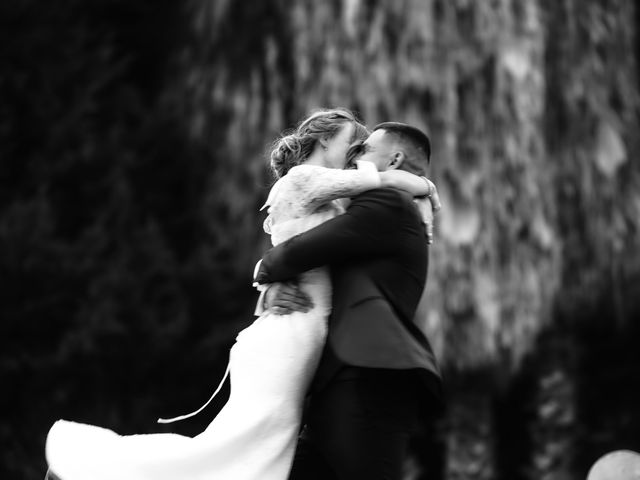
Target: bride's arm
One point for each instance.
(403, 180)
(316, 186)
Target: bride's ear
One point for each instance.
(324, 143)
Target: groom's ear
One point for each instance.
(397, 159)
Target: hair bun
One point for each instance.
(285, 154)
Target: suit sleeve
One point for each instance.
(366, 229)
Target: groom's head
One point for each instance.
(394, 145)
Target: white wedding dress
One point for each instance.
(271, 366)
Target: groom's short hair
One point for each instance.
(414, 138)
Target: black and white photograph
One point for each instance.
(320, 240)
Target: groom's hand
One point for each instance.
(285, 298)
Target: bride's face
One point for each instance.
(337, 146)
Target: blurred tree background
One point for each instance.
(132, 167)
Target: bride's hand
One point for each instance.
(428, 206)
(285, 298)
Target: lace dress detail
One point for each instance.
(271, 366)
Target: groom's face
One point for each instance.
(378, 149)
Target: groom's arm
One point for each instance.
(368, 228)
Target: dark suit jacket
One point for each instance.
(378, 256)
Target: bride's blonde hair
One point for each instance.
(295, 147)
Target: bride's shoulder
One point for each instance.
(306, 174)
(291, 184)
(299, 185)
(304, 170)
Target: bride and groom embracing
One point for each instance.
(336, 343)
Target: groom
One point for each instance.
(378, 379)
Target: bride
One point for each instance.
(272, 361)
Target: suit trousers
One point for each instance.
(359, 426)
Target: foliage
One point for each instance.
(117, 280)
